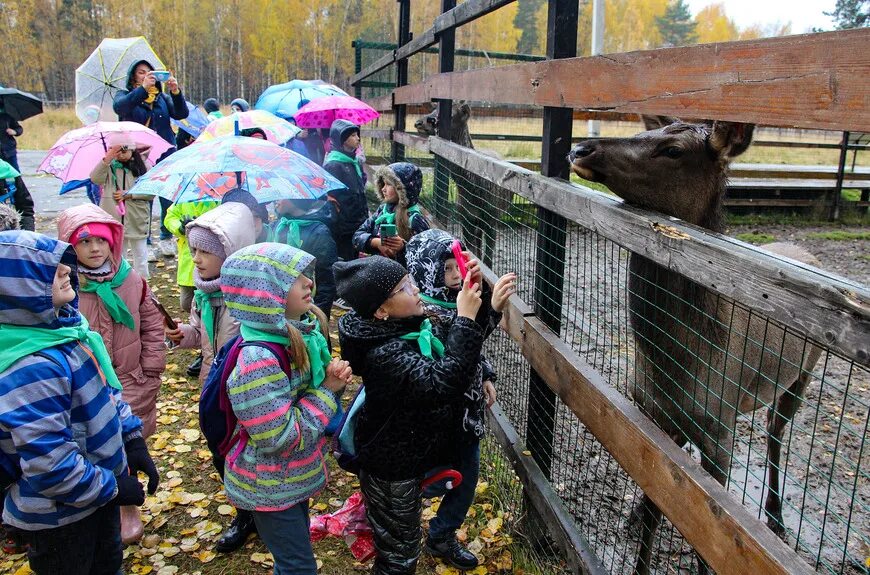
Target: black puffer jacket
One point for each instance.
(351, 207)
(412, 415)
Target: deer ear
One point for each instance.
(656, 122)
(731, 139)
(464, 109)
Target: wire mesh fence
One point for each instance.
(714, 374)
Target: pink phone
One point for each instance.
(460, 258)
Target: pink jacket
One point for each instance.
(139, 355)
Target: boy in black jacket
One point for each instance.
(350, 204)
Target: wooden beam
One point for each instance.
(375, 67)
(377, 133)
(466, 12)
(411, 141)
(831, 310)
(382, 103)
(810, 81)
(418, 44)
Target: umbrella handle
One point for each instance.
(122, 209)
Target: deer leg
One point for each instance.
(650, 516)
(778, 417)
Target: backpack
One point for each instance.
(344, 447)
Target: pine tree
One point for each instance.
(676, 25)
(851, 14)
(526, 22)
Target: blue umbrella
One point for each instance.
(194, 123)
(284, 100)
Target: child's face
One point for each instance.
(207, 264)
(124, 154)
(404, 301)
(61, 288)
(92, 252)
(452, 278)
(391, 196)
(299, 298)
(352, 142)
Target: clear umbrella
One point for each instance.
(104, 73)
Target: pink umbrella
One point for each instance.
(76, 153)
(320, 113)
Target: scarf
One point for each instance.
(315, 344)
(206, 311)
(7, 172)
(426, 340)
(389, 217)
(115, 305)
(20, 341)
(294, 229)
(113, 168)
(336, 156)
(438, 302)
(152, 94)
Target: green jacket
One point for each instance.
(177, 216)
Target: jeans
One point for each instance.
(456, 502)
(286, 535)
(91, 546)
(11, 158)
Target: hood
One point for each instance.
(405, 177)
(211, 105)
(9, 218)
(28, 262)
(425, 255)
(241, 103)
(73, 218)
(339, 132)
(358, 335)
(255, 281)
(133, 68)
(232, 223)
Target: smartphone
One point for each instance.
(460, 258)
(170, 323)
(388, 230)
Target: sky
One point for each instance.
(803, 14)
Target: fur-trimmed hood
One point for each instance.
(405, 177)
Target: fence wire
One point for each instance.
(706, 369)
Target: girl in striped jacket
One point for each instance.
(278, 462)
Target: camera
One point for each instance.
(161, 75)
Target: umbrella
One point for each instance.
(20, 105)
(104, 73)
(195, 121)
(76, 153)
(285, 99)
(209, 170)
(322, 112)
(276, 129)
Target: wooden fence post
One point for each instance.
(446, 50)
(402, 75)
(838, 189)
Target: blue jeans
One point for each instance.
(457, 501)
(286, 535)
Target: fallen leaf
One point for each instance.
(226, 509)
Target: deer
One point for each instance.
(689, 377)
(480, 202)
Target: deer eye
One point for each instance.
(672, 152)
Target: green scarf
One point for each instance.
(113, 170)
(389, 217)
(294, 229)
(438, 302)
(18, 341)
(426, 340)
(315, 344)
(7, 172)
(206, 312)
(336, 156)
(106, 291)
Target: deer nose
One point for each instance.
(581, 151)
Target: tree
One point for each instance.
(526, 21)
(850, 14)
(713, 25)
(676, 25)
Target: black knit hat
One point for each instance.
(367, 283)
(245, 197)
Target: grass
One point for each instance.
(840, 236)
(42, 131)
(756, 238)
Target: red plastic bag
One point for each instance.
(350, 523)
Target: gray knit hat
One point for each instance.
(206, 240)
(367, 283)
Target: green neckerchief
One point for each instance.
(389, 217)
(106, 291)
(426, 340)
(336, 156)
(7, 172)
(294, 230)
(113, 168)
(438, 302)
(206, 312)
(315, 344)
(17, 341)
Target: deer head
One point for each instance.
(460, 113)
(675, 167)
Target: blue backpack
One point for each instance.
(344, 447)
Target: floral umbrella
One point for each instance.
(322, 112)
(208, 170)
(276, 129)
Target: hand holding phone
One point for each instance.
(387, 230)
(170, 323)
(456, 247)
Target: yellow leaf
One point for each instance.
(527, 452)
(319, 506)
(171, 551)
(183, 448)
(494, 524)
(205, 556)
(149, 541)
(174, 482)
(226, 509)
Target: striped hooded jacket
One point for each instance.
(279, 461)
(62, 429)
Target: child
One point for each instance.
(398, 186)
(350, 204)
(278, 462)
(415, 375)
(239, 105)
(213, 237)
(262, 231)
(117, 172)
(63, 423)
(308, 230)
(213, 109)
(433, 267)
(117, 303)
(14, 193)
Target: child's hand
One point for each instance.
(489, 392)
(395, 243)
(505, 287)
(174, 335)
(338, 375)
(472, 264)
(111, 154)
(118, 195)
(468, 301)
